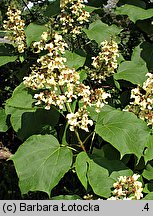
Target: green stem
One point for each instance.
(79, 140)
(68, 108)
(91, 146)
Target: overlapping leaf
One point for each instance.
(148, 172)
(27, 119)
(134, 13)
(134, 71)
(97, 176)
(124, 131)
(100, 31)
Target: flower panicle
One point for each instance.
(105, 64)
(58, 85)
(14, 26)
(73, 17)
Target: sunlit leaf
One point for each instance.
(100, 31)
(134, 13)
(33, 32)
(123, 130)
(134, 71)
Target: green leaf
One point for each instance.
(148, 172)
(104, 110)
(7, 54)
(148, 154)
(6, 59)
(39, 122)
(53, 9)
(81, 168)
(124, 131)
(115, 168)
(100, 31)
(26, 119)
(74, 60)
(107, 151)
(148, 196)
(3, 124)
(134, 13)
(21, 99)
(66, 197)
(97, 175)
(90, 9)
(134, 71)
(33, 32)
(148, 188)
(40, 163)
(20, 102)
(147, 54)
(83, 75)
(99, 179)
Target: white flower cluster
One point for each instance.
(59, 85)
(111, 4)
(15, 29)
(143, 100)
(106, 62)
(127, 188)
(73, 16)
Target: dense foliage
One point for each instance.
(76, 99)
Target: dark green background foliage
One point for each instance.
(122, 144)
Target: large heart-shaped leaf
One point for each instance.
(134, 71)
(134, 13)
(100, 31)
(40, 163)
(124, 131)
